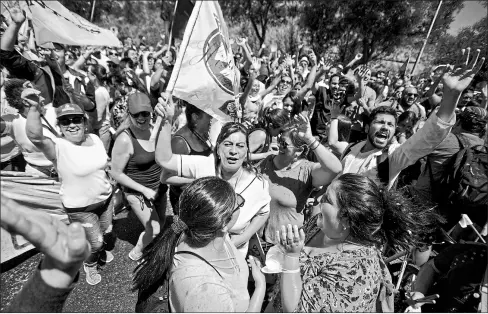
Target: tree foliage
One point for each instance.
(371, 27)
(261, 14)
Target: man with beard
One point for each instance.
(408, 102)
(56, 81)
(381, 161)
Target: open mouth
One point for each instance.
(382, 135)
(232, 160)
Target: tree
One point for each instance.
(374, 28)
(262, 14)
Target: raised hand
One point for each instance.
(240, 41)
(327, 65)
(273, 47)
(335, 110)
(458, 77)
(288, 61)
(358, 56)
(165, 106)
(65, 247)
(17, 15)
(291, 240)
(312, 57)
(304, 129)
(256, 63)
(361, 72)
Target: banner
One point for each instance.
(54, 23)
(40, 194)
(181, 17)
(205, 74)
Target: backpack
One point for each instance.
(464, 185)
(156, 298)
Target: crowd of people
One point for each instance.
(339, 167)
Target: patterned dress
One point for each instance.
(354, 280)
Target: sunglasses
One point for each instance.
(285, 81)
(144, 114)
(412, 94)
(113, 54)
(240, 202)
(68, 121)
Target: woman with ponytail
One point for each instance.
(205, 271)
(336, 264)
(101, 122)
(292, 177)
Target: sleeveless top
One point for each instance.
(267, 142)
(176, 190)
(142, 166)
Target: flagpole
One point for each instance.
(427, 37)
(171, 28)
(179, 60)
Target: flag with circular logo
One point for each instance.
(205, 74)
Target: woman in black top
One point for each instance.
(192, 139)
(135, 168)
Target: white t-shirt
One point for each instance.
(255, 194)
(81, 171)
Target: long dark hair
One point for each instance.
(379, 217)
(227, 130)
(273, 117)
(206, 207)
(298, 104)
(190, 110)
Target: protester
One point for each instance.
(229, 161)
(15, 126)
(335, 264)
(191, 139)
(81, 161)
(101, 124)
(366, 157)
(205, 271)
(134, 167)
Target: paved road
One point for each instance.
(111, 295)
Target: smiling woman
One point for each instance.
(81, 161)
(229, 161)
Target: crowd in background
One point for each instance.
(338, 166)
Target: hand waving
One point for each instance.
(291, 240)
(361, 72)
(458, 77)
(335, 110)
(327, 65)
(304, 128)
(17, 15)
(240, 41)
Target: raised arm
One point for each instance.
(333, 138)
(164, 153)
(178, 146)
(34, 127)
(82, 59)
(329, 166)
(310, 79)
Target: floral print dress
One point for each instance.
(349, 281)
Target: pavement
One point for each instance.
(112, 294)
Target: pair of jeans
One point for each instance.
(97, 221)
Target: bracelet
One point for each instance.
(292, 271)
(318, 144)
(310, 145)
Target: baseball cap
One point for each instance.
(69, 109)
(114, 60)
(138, 102)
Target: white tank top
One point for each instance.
(82, 173)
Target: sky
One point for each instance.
(472, 12)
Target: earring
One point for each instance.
(345, 228)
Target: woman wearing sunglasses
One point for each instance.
(292, 177)
(80, 160)
(205, 271)
(134, 167)
(229, 161)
